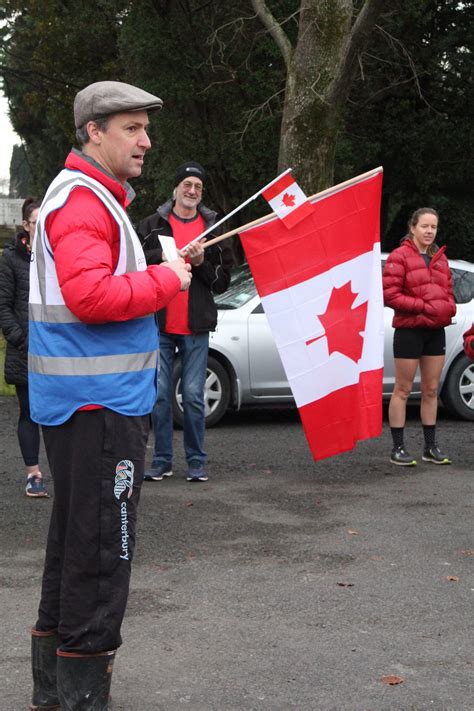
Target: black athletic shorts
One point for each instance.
(417, 342)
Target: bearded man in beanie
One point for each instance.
(187, 320)
(92, 384)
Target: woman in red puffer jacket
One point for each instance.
(417, 285)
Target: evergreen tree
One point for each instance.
(21, 183)
(231, 101)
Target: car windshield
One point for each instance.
(240, 291)
(463, 285)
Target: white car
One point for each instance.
(244, 367)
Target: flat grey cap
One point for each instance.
(111, 97)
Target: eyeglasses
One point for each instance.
(193, 186)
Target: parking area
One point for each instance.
(280, 583)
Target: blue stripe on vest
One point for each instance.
(61, 397)
(71, 340)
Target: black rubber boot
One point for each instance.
(44, 665)
(84, 681)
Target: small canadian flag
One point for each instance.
(287, 200)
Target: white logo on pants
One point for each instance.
(124, 478)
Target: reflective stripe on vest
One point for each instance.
(72, 364)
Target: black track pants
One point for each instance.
(97, 461)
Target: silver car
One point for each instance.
(244, 367)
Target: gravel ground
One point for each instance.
(279, 584)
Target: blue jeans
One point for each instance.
(193, 353)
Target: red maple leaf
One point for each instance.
(343, 324)
(288, 200)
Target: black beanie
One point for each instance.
(188, 169)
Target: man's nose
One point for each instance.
(145, 140)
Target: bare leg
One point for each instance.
(405, 369)
(430, 369)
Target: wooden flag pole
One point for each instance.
(323, 193)
(226, 217)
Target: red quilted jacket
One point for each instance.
(421, 296)
(469, 342)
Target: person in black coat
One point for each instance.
(186, 322)
(14, 292)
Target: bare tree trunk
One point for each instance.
(320, 69)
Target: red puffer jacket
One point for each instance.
(85, 240)
(421, 296)
(469, 342)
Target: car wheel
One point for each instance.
(458, 390)
(216, 393)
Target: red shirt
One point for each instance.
(184, 231)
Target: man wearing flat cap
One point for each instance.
(93, 382)
(186, 321)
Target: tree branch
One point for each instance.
(364, 24)
(411, 64)
(275, 30)
(31, 76)
(253, 113)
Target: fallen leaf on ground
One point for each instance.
(392, 680)
(376, 557)
(190, 503)
(346, 585)
(467, 553)
(352, 533)
(453, 578)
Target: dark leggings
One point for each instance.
(28, 431)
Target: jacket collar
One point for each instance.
(408, 242)
(77, 160)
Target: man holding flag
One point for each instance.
(186, 322)
(316, 265)
(92, 384)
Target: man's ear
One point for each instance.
(95, 134)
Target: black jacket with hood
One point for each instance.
(212, 276)
(14, 293)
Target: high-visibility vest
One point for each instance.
(71, 363)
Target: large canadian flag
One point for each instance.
(321, 288)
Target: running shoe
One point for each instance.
(400, 457)
(434, 455)
(163, 471)
(197, 472)
(35, 487)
